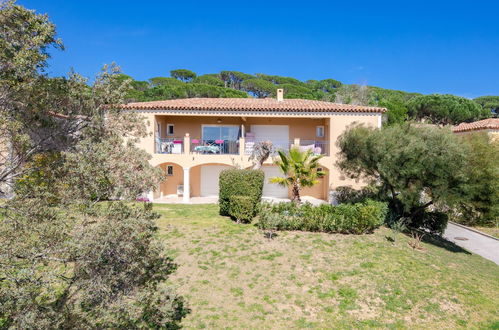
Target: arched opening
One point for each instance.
(174, 179)
(319, 190)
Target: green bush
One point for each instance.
(347, 194)
(241, 208)
(435, 222)
(356, 218)
(236, 182)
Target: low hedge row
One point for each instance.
(240, 182)
(356, 218)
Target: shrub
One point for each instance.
(241, 208)
(347, 194)
(236, 182)
(356, 218)
(434, 222)
(481, 203)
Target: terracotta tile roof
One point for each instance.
(249, 104)
(491, 123)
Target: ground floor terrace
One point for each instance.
(187, 182)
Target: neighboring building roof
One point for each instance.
(491, 123)
(250, 104)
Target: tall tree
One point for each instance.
(490, 103)
(67, 260)
(259, 87)
(183, 74)
(445, 109)
(416, 167)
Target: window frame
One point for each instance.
(168, 129)
(321, 128)
(168, 167)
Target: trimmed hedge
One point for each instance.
(356, 218)
(237, 182)
(241, 208)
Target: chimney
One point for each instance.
(280, 95)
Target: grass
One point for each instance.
(492, 231)
(234, 277)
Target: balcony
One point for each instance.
(214, 147)
(170, 145)
(318, 147)
(242, 146)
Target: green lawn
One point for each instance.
(492, 231)
(233, 277)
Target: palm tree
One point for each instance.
(301, 169)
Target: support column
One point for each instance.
(296, 143)
(187, 144)
(242, 146)
(187, 187)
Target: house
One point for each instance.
(193, 140)
(489, 126)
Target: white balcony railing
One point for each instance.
(169, 145)
(214, 147)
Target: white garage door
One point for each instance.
(273, 189)
(278, 134)
(209, 179)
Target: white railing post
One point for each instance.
(187, 144)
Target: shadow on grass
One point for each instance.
(441, 242)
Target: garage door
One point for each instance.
(273, 189)
(209, 179)
(278, 134)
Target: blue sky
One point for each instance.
(419, 46)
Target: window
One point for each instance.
(169, 129)
(319, 131)
(169, 170)
(226, 133)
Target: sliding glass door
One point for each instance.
(222, 139)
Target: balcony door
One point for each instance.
(225, 137)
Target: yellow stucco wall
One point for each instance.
(299, 127)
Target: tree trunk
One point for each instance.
(296, 194)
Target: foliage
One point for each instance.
(234, 79)
(327, 85)
(354, 94)
(481, 205)
(301, 169)
(174, 91)
(239, 182)
(445, 109)
(164, 81)
(183, 74)
(416, 167)
(209, 79)
(241, 208)
(359, 218)
(261, 152)
(347, 194)
(99, 268)
(435, 222)
(67, 260)
(490, 103)
(258, 87)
